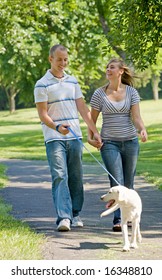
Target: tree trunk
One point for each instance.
(106, 30)
(155, 80)
(11, 98)
(12, 103)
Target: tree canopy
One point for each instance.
(92, 30)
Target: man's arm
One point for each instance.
(86, 115)
(91, 140)
(46, 119)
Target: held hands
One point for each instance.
(96, 141)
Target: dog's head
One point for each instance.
(113, 198)
(115, 193)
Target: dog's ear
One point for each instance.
(121, 196)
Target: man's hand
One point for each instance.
(63, 129)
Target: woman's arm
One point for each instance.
(138, 122)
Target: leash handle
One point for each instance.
(69, 128)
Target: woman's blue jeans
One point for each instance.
(65, 161)
(120, 159)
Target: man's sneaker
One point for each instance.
(64, 225)
(77, 222)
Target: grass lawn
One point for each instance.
(150, 158)
(21, 137)
(17, 240)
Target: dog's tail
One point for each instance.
(109, 211)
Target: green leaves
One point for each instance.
(140, 23)
(91, 30)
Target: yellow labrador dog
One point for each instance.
(130, 205)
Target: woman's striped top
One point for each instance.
(117, 121)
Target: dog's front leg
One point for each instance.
(134, 234)
(139, 236)
(126, 246)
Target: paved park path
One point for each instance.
(29, 192)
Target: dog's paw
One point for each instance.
(133, 246)
(139, 238)
(126, 248)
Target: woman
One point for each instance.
(118, 102)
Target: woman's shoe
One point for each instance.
(117, 228)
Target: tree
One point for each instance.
(153, 74)
(30, 30)
(92, 31)
(132, 28)
(24, 48)
(156, 70)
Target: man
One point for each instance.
(58, 99)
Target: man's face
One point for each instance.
(59, 61)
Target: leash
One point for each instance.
(93, 156)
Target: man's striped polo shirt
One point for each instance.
(60, 95)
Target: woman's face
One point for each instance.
(113, 71)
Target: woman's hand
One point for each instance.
(95, 143)
(143, 135)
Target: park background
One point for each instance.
(93, 32)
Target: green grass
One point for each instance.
(17, 240)
(150, 158)
(3, 177)
(21, 135)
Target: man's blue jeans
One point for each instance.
(65, 161)
(120, 159)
